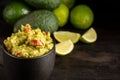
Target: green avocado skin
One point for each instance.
(43, 19)
(44, 4)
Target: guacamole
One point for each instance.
(28, 42)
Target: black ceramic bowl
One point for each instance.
(38, 68)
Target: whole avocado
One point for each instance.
(44, 4)
(44, 19)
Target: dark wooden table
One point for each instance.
(97, 61)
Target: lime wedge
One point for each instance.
(89, 36)
(61, 36)
(64, 48)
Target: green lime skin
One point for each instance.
(62, 13)
(14, 11)
(81, 16)
(68, 3)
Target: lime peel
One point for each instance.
(81, 17)
(62, 14)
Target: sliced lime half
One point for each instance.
(64, 48)
(61, 36)
(89, 36)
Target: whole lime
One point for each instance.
(68, 3)
(81, 16)
(14, 11)
(62, 13)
